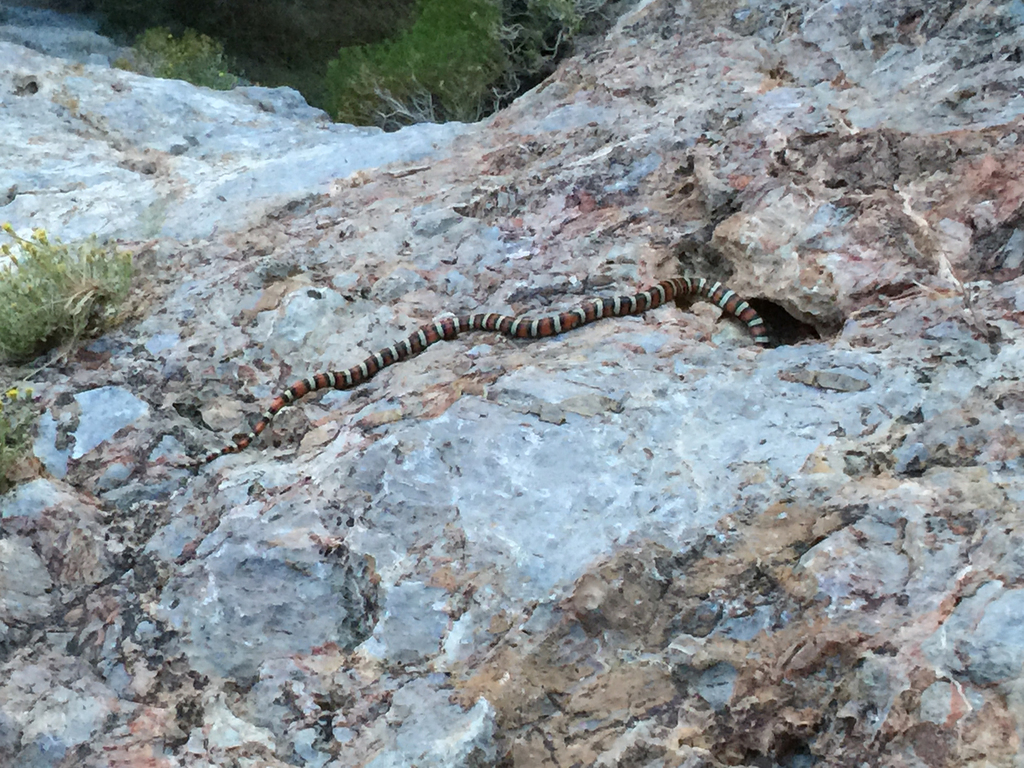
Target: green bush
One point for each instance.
(439, 69)
(537, 33)
(460, 60)
(16, 416)
(193, 57)
(440, 59)
(52, 293)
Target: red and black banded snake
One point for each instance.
(448, 328)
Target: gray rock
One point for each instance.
(398, 283)
(501, 550)
(105, 411)
(30, 500)
(65, 35)
(252, 587)
(935, 702)
(24, 584)
(430, 732)
(994, 651)
(412, 624)
(246, 151)
(715, 685)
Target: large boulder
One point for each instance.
(646, 542)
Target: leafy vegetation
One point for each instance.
(275, 42)
(538, 32)
(192, 57)
(53, 293)
(438, 69)
(371, 62)
(460, 60)
(16, 416)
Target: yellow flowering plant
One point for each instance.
(193, 57)
(52, 293)
(17, 412)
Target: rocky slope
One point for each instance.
(643, 543)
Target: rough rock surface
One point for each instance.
(643, 543)
(95, 149)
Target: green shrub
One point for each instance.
(537, 33)
(193, 57)
(52, 293)
(275, 42)
(460, 60)
(439, 69)
(16, 416)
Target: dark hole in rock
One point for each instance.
(783, 328)
(27, 85)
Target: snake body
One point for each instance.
(448, 328)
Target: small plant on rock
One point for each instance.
(16, 416)
(193, 57)
(53, 293)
